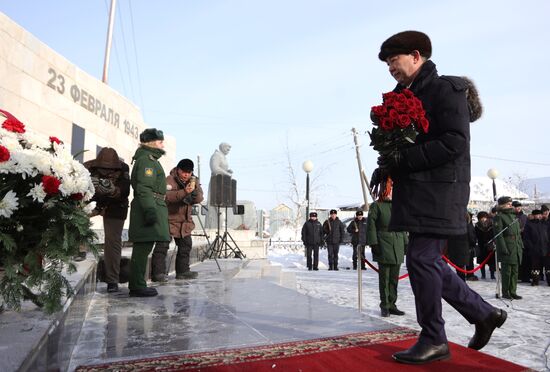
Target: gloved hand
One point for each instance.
(390, 161)
(375, 249)
(149, 217)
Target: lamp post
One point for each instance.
(307, 166)
(493, 174)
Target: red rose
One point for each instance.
(400, 106)
(407, 93)
(56, 140)
(50, 185)
(404, 121)
(425, 124)
(4, 154)
(394, 115)
(386, 124)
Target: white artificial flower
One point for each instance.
(23, 163)
(37, 193)
(88, 208)
(10, 142)
(36, 140)
(8, 204)
(41, 160)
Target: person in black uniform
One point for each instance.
(312, 237)
(334, 236)
(358, 230)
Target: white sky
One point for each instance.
(261, 74)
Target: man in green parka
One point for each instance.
(148, 213)
(388, 249)
(509, 246)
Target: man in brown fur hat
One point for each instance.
(431, 190)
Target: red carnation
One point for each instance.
(56, 140)
(50, 185)
(77, 196)
(4, 154)
(12, 123)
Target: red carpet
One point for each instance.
(370, 351)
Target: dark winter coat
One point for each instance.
(148, 213)
(460, 247)
(431, 186)
(334, 231)
(388, 246)
(509, 243)
(535, 238)
(180, 205)
(107, 165)
(312, 233)
(484, 233)
(358, 230)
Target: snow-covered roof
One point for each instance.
(481, 190)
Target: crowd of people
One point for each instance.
(160, 211)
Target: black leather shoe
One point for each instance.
(143, 292)
(384, 313)
(422, 353)
(112, 287)
(516, 297)
(396, 311)
(485, 329)
(507, 296)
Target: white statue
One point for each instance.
(218, 161)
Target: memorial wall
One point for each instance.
(52, 96)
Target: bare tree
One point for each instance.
(296, 193)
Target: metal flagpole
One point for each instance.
(109, 41)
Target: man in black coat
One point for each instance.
(334, 236)
(431, 190)
(358, 230)
(535, 239)
(312, 237)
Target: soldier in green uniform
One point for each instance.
(388, 249)
(148, 213)
(509, 246)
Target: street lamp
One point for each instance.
(493, 174)
(307, 167)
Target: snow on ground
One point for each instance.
(523, 339)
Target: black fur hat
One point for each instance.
(404, 43)
(186, 165)
(503, 200)
(151, 134)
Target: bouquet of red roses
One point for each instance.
(397, 122)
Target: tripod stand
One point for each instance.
(221, 246)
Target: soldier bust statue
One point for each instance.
(218, 161)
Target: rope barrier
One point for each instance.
(446, 260)
(376, 269)
(474, 269)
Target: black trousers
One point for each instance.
(312, 250)
(361, 248)
(433, 280)
(333, 250)
(158, 259)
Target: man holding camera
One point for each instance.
(111, 179)
(183, 191)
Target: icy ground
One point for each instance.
(523, 339)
